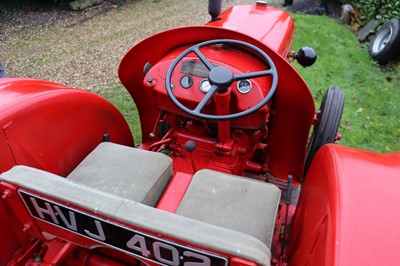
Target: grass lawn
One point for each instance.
(371, 117)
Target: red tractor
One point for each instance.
(226, 173)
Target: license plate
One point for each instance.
(111, 234)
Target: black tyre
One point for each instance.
(325, 131)
(385, 45)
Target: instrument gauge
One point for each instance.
(186, 82)
(205, 85)
(244, 86)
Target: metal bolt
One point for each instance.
(262, 3)
(26, 227)
(6, 194)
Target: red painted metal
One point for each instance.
(98, 260)
(286, 141)
(43, 121)
(174, 193)
(54, 252)
(51, 127)
(344, 201)
(347, 214)
(276, 32)
(222, 102)
(241, 262)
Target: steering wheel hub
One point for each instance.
(221, 77)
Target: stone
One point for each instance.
(365, 31)
(83, 4)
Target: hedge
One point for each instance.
(381, 10)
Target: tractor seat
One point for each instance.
(232, 202)
(135, 218)
(135, 174)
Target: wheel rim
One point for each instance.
(381, 40)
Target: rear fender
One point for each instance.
(52, 127)
(347, 211)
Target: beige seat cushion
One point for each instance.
(233, 202)
(135, 174)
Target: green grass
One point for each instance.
(371, 117)
(119, 97)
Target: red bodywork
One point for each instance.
(346, 211)
(78, 120)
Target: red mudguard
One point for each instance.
(52, 127)
(348, 209)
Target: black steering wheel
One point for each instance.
(221, 78)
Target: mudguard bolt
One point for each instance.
(6, 194)
(26, 227)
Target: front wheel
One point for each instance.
(385, 45)
(325, 131)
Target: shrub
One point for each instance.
(10, 7)
(381, 10)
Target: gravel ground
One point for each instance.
(83, 49)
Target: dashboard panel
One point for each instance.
(190, 83)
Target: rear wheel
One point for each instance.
(385, 45)
(325, 131)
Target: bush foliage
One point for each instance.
(381, 10)
(30, 5)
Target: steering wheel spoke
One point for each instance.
(252, 75)
(206, 99)
(202, 58)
